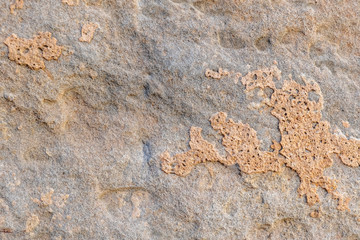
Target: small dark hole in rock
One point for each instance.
(263, 43)
(268, 92)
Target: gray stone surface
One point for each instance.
(81, 140)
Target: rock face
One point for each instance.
(89, 133)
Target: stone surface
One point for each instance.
(87, 32)
(81, 138)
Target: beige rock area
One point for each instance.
(179, 119)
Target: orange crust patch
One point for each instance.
(306, 145)
(32, 52)
(216, 75)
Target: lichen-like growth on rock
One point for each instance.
(306, 142)
(18, 4)
(32, 52)
(87, 32)
(243, 147)
(201, 151)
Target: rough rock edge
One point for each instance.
(306, 142)
(87, 32)
(31, 52)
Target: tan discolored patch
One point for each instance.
(261, 78)
(343, 202)
(315, 214)
(216, 75)
(346, 124)
(60, 201)
(46, 198)
(93, 2)
(349, 151)
(18, 4)
(243, 147)
(306, 142)
(87, 32)
(237, 76)
(32, 52)
(201, 151)
(31, 223)
(71, 2)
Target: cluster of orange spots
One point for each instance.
(306, 142)
(243, 147)
(216, 75)
(32, 52)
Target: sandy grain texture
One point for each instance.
(82, 133)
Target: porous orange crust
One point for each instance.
(87, 32)
(201, 151)
(216, 75)
(306, 142)
(243, 147)
(32, 52)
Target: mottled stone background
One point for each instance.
(81, 140)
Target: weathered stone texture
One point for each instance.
(82, 134)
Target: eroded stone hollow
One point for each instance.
(306, 144)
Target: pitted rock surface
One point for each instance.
(83, 131)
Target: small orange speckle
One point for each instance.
(346, 124)
(216, 75)
(315, 214)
